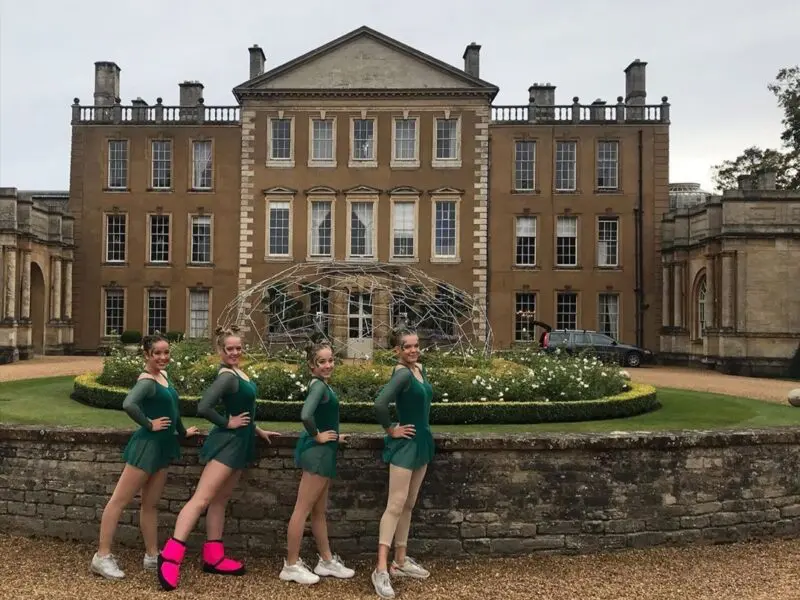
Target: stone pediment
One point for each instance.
(279, 190)
(364, 60)
(446, 191)
(321, 189)
(363, 190)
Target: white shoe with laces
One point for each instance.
(107, 567)
(150, 563)
(409, 568)
(333, 568)
(382, 584)
(299, 573)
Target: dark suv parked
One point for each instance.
(600, 345)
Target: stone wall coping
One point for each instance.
(658, 440)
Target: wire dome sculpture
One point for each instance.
(356, 307)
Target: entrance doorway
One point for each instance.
(38, 307)
(359, 336)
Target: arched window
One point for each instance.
(701, 308)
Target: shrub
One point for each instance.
(131, 337)
(174, 336)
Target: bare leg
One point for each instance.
(211, 482)
(130, 482)
(215, 515)
(399, 485)
(148, 512)
(404, 524)
(311, 488)
(319, 523)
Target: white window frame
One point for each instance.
(127, 162)
(149, 248)
(190, 333)
(197, 178)
(147, 293)
(414, 202)
(330, 200)
(354, 162)
(446, 163)
(190, 236)
(517, 162)
(436, 258)
(615, 263)
(577, 222)
(124, 293)
(355, 199)
(602, 161)
(600, 298)
(168, 161)
(321, 162)
(517, 295)
(577, 309)
(106, 234)
(280, 163)
(535, 241)
(282, 199)
(405, 163)
(572, 186)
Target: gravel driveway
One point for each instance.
(55, 570)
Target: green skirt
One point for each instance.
(234, 448)
(319, 459)
(152, 451)
(412, 453)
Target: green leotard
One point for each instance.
(149, 450)
(413, 401)
(235, 448)
(320, 413)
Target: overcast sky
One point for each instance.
(713, 58)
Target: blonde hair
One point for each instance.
(313, 348)
(223, 333)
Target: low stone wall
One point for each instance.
(496, 495)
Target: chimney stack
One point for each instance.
(541, 100)
(635, 89)
(106, 83)
(746, 182)
(472, 60)
(767, 180)
(191, 92)
(257, 61)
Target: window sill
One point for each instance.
(200, 190)
(450, 163)
(278, 259)
(575, 192)
(125, 190)
(280, 164)
(613, 268)
(526, 268)
(404, 260)
(199, 265)
(115, 263)
(362, 164)
(362, 259)
(404, 164)
(322, 164)
(319, 259)
(160, 190)
(444, 260)
(567, 268)
(609, 192)
(535, 192)
(158, 265)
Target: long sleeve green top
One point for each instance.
(134, 404)
(225, 384)
(316, 395)
(397, 384)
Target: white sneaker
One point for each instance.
(299, 573)
(106, 566)
(333, 568)
(382, 584)
(150, 563)
(410, 568)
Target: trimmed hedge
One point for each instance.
(637, 400)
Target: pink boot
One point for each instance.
(214, 560)
(169, 564)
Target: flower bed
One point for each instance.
(510, 387)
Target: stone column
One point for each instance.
(666, 317)
(55, 289)
(677, 299)
(711, 292)
(10, 254)
(67, 289)
(728, 292)
(25, 308)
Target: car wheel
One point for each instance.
(633, 359)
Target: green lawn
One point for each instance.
(47, 402)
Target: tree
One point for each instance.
(785, 162)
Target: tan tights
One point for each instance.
(404, 487)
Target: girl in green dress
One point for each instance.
(315, 453)
(227, 451)
(153, 404)
(408, 448)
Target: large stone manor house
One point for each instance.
(366, 151)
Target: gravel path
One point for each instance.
(56, 570)
(50, 366)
